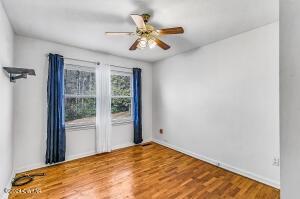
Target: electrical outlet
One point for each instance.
(161, 131)
(276, 162)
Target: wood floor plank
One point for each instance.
(151, 171)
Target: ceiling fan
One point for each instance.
(147, 34)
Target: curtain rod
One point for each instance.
(92, 62)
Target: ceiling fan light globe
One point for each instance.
(151, 43)
(142, 45)
(143, 42)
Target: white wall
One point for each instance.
(6, 106)
(30, 104)
(290, 99)
(221, 103)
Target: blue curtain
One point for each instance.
(56, 137)
(137, 105)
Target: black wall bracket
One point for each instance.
(18, 73)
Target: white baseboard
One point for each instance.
(128, 144)
(222, 165)
(72, 157)
(30, 167)
(41, 165)
(8, 185)
(81, 155)
(120, 146)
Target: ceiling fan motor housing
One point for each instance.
(146, 17)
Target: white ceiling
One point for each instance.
(82, 23)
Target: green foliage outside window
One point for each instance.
(80, 96)
(121, 103)
(79, 108)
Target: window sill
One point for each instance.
(121, 122)
(80, 127)
(93, 126)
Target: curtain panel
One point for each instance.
(137, 105)
(56, 137)
(103, 109)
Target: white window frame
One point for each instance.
(80, 125)
(128, 119)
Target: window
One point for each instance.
(121, 99)
(80, 96)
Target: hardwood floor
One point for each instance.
(151, 171)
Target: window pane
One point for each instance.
(80, 82)
(71, 81)
(87, 83)
(80, 110)
(120, 85)
(121, 108)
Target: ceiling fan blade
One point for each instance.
(139, 21)
(162, 44)
(168, 31)
(134, 45)
(119, 33)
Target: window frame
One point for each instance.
(124, 120)
(120, 121)
(80, 125)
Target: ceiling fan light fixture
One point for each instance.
(143, 43)
(152, 43)
(148, 35)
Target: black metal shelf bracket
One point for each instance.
(18, 73)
